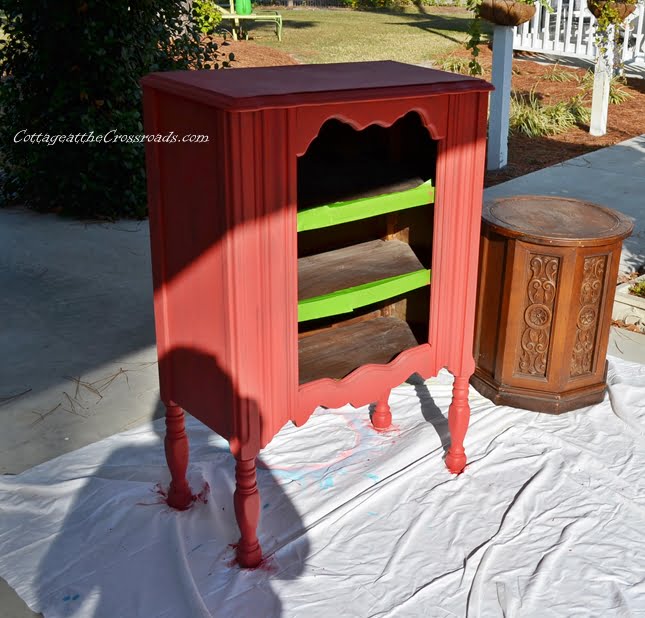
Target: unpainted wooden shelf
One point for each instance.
(336, 352)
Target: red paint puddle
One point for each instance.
(391, 430)
(201, 497)
(267, 565)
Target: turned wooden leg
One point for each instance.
(176, 445)
(382, 417)
(247, 512)
(458, 417)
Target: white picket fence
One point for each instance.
(569, 31)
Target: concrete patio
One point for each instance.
(79, 360)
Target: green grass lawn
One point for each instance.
(341, 35)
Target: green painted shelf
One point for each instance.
(340, 281)
(363, 207)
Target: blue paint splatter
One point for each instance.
(372, 513)
(75, 597)
(266, 506)
(67, 597)
(372, 477)
(327, 482)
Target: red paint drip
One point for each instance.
(233, 561)
(158, 489)
(201, 497)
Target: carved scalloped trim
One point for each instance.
(365, 384)
(359, 126)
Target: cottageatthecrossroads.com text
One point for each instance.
(111, 137)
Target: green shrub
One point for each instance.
(617, 92)
(206, 15)
(367, 5)
(73, 68)
(371, 4)
(580, 111)
(558, 74)
(638, 289)
(397, 4)
(454, 64)
(535, 119)
(586, 81)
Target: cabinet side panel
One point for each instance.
(156, 223)
(262, 253)
(188, 226)
(458, 204)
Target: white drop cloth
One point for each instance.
(547, 520)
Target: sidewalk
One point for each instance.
(79, 359)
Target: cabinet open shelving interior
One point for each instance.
(365, 221)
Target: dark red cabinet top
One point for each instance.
(286, 86)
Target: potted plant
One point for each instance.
(610, 14)
(499, 12)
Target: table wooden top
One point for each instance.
(558, 221)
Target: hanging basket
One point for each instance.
(623, 9)
(506, 12)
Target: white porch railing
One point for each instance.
(569, 31)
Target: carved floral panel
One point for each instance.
(593, 277)
(538, 315)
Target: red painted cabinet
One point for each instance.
(319, 248)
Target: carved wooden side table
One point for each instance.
(548, 268)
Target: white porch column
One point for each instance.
(601, 85)
(500, 101)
